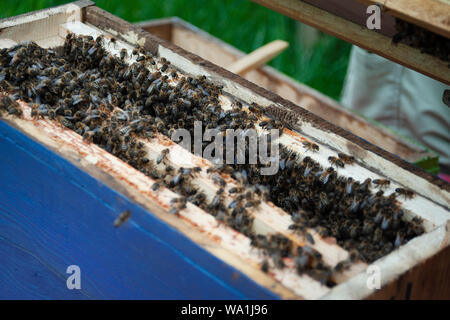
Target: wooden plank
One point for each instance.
(362, 37)
(432, 15)
(258, 57)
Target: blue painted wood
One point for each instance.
(53, 214)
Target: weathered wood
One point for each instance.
(362, 37)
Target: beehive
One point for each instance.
(155, 254)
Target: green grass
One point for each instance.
(241, 23)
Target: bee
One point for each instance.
(235, 190)
(336, 162)
(88, 136)
(218, 180)
(309, 238)
(346, 158)
(100, 40)
(113, 41)
(297, 228)
(123, 54)
(162, 156)
(406, 193)
(122, 218)
(310, 146)
(177, 204)
(325, 176)
(349, 185)
(323, 200)
(381, 183)
(156, 186)
(265, 266)
(11, 106)
(197, 169)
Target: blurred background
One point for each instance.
(313, 58)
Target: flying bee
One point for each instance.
(310, 146)
(336, 161)
(346, 158)
(408, 194)
(381, 183)
(162, 156)
(122, 218)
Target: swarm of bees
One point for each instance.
(114, 104)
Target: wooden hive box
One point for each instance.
(60, 196)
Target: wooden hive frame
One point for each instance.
(208, 47)
(201, 228)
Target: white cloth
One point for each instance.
(400, 98)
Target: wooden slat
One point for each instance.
(258, 57)
(362, 37)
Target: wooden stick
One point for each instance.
(258, 57)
